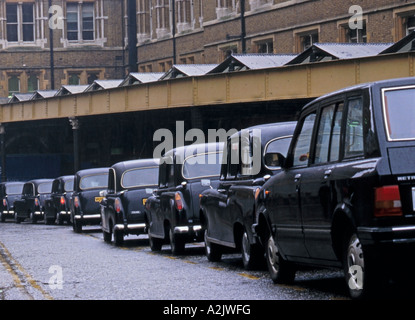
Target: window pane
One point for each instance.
(88, 35)
(27, 12)
(11, 16)
(323, 135)
(28, 32)
(32, 83)
(44, 187)
(203, 165)
(73, 79)
(354, 129)
(11, 13)
(12, 33)
(72, 21)
(140, 177)
(399, 110)
(335, 136)
(302, 147)
(14, 84)
(94, 181)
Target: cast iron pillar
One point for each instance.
(75, 129)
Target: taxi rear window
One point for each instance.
(399, 113)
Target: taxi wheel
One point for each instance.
(251, 253)
(155, 243)
(281, 271)
(107, 236)
(177, 244)
(77, 226)
(213, 251)
(118, 237)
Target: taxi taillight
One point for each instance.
(5, 202)
(76, 202)
(388, 201)
(62, 200)
(117, 205)
(178, 201)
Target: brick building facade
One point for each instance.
(207, 29)
(90, 37)
(86, 43)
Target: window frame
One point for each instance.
(80, 17)
(20, 23)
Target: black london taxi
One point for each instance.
(57, 207)
(345, 196)
(130, 183)
(9, 193)
(173, 210)
(31, 204)
(86, 198)
(229, 210)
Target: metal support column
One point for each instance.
(3, 152)
(75, 129)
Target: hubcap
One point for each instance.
(246, 247)
(355, 264)
(207, 244)
(273, 254)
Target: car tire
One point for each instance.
(363, 277)
(155, 243)
(17, 219)
(77, 226)
(176, 242)
(2, 217)
(32, 217)
(252, 254)
(118, 237)
(107, 236)
(212, 250)
(280, 270)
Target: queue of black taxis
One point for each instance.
(173, 211)
(9, 193)
(229, 209)
(130, 183)
(345, 196)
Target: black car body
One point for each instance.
(345, 196)
(229, 210)
(57, 207)
(173, 211)
(9, 193)
(32, 203)
(130, 183)
(86, 198)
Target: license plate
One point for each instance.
(144, 201)
(413, 198)
(98, 199)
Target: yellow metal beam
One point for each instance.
(288, 82)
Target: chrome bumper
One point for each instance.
(187, 229)
(87, 216)
(135, 226)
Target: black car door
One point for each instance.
(284, 204)
(318, 198)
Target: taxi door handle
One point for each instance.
(327, 173)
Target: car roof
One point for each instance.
(181, 152)
(271, 130)
(84, 172)
(133, 164)
(39, 181)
